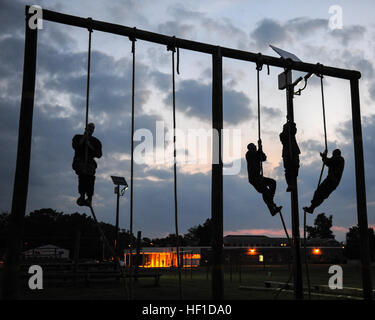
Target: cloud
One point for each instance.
(12, 17)
(110, 92)
(348, 34)
(129, 11)
(269, 31)
(271, 113)
(372, 90)
(193, 98)
(180, 30)
(11, 68)
(305, 26)
(59, 114)
(209, 27)
(357, 61)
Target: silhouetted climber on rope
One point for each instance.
(290, 153)
(335, 166)
(86, 148)
(265, 186)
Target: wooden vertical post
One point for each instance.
(361, 191)
(297, 262)
(217, 177)
(21, 180)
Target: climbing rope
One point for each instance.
(132, 39)
(89, 27)
(320, 179)
(259, 68)
(88, 72)
(285, 229)
(324, 124)
(111, 250)
(103, 236)
(278, 291)
(172, 48)
(132, 139)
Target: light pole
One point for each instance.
(118, 181)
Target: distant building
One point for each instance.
(165, 257)
(46, 252)
(253, 241)
(260, 248)
(240, 249)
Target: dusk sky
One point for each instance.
(304, 28)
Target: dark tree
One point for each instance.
(352, 248)
(200, 235)
(47, 226)
(322, 228)
(169, 241)
(146, 242)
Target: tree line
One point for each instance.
(47, 226)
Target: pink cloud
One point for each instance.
(340, 229)
(279, 232)
(263, 232)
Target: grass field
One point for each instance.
(197, 285)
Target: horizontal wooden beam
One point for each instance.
(197, 46)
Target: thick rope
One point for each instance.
(88, 91)
(260, 148)
(132, 143)
(132, 170)
(290, 273)
(324, 112)
(320, 179)
(284, 226)
(88, 74)
(172, 48)
(132, 139)
(111, 249)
